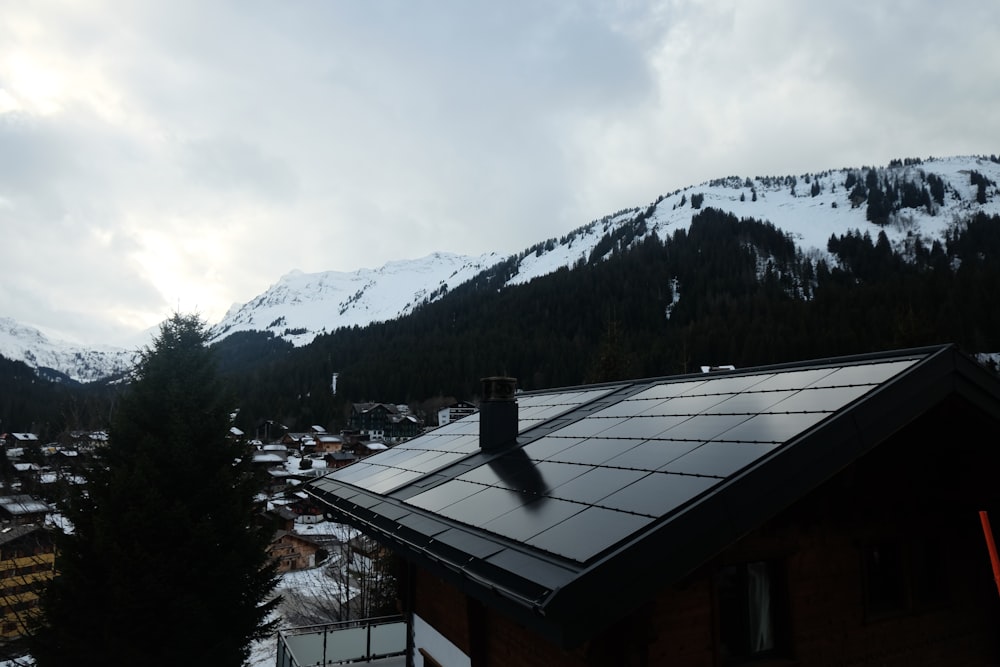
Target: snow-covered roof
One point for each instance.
(268, 457)
(22, 504)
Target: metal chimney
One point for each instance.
(497, 413)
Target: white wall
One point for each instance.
(436, 645)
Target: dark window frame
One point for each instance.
(904, 576)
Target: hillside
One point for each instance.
(741, 270)
(69, 361)
(908, 200)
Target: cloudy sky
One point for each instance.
(157, 156)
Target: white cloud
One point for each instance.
(187, 154)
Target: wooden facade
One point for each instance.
(27, 561)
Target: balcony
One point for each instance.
(377, 641)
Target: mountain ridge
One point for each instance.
(908, 200)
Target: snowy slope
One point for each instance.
(83, 364)
(810, 220)
(301, 305)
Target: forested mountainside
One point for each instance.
(696, 278)
(911, 199)
(723, 291)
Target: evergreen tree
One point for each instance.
(164, 566)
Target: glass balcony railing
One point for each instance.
(363, 640)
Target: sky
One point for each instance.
(158, 157)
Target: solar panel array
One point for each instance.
(596, 475)
(582, 488)
(438, 449)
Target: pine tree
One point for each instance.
(164, 566)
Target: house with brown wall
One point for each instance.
(292, 551)
(27, 562)
(828, 512)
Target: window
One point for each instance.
(903, 576)
(751, 611)
(886, 581)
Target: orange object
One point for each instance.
(984, 518)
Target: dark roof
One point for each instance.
(279, 534)
(11, 533)
(651, 476)
(366, 407)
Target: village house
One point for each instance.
(20, 439)
(327, 443)
(22, 509)
(828, 512)
(454, 412)
(339, 459)
(384, 421)
(270, 455)
(300, 442)
(292, 551)
(27, 561)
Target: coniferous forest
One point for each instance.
(722, 291)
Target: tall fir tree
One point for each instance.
(164, 565)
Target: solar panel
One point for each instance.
(587, 533)
(532, 518)
(656, 494)
(751, 402)
(629, 407)
(436, 450)
(874, 373)
(606, 466)
(486, 504)
(652, 454)
(792, 379)
(642, 427)
(703, 427)
(548, 446)
(669, 389)
(595, 484)
(719, 459)
(592, 451)
(443, 495)
(827, 399)
(775, 428)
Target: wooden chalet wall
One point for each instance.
(926, 485)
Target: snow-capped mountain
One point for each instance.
(909, 199)
(83, 364)
(810, 207)
(302, 305)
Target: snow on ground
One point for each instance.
(300, 590)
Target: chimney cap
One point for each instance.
(499, 388)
